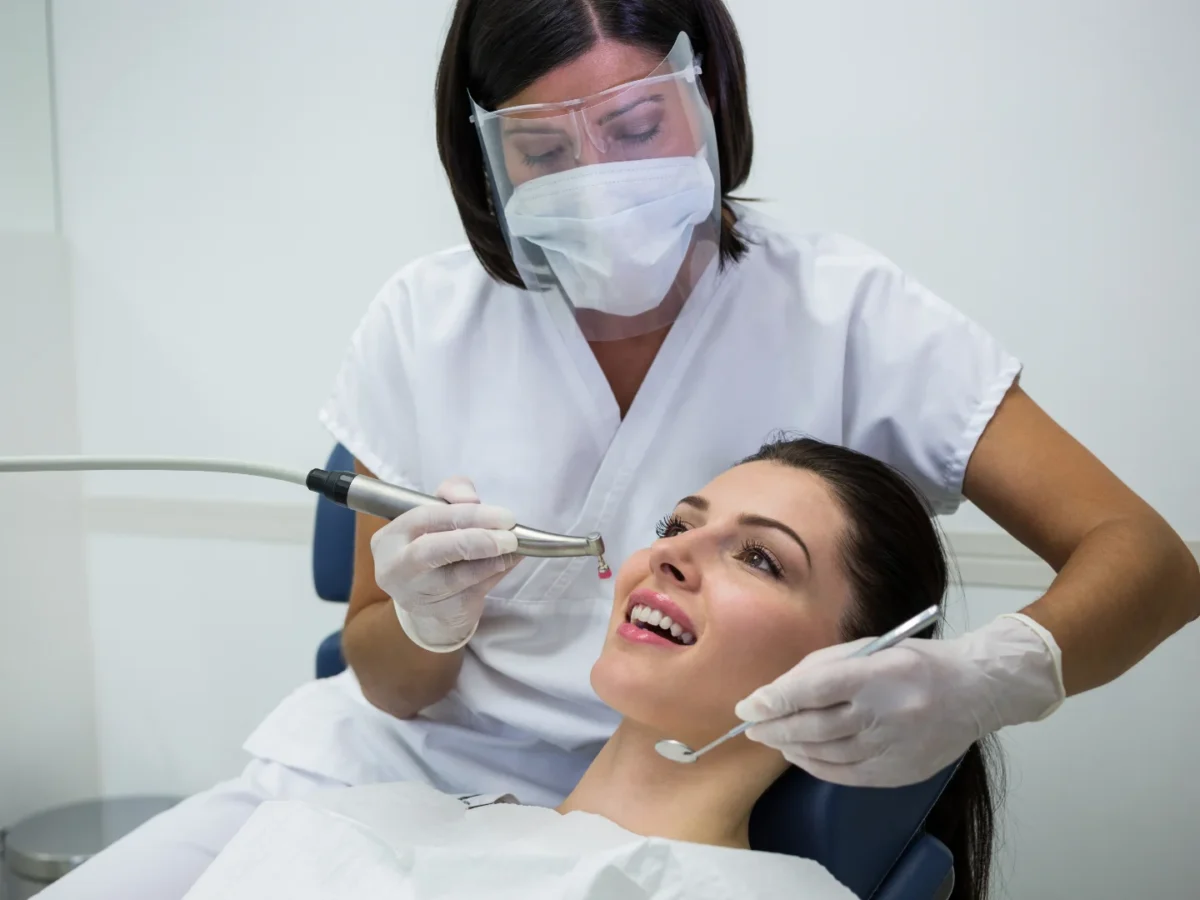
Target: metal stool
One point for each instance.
(43, 848)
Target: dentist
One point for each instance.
(619, 330)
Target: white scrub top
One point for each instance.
(412, 842)
(451, 373)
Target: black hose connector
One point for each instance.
(333, 486)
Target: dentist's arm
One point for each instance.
(418, 592)
(1125, 583)
(396, 675)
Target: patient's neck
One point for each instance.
(706, 802)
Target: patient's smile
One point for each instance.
(647, 619)
(653, 618)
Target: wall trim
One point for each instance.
(983, 559)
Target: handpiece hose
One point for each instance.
(358, 492)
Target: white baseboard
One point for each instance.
(981, 559)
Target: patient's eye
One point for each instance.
(759, 557)
(669, 526)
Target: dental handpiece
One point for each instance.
(358, 492)
(378, 498)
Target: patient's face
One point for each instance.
(749, 574)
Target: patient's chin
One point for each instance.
(663, 704)
(613, 683)
(631, 689)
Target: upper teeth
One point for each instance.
(652, 616)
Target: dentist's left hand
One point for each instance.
(904, 714)
(438, 564)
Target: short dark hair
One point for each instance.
(497, 48)
(894, 558)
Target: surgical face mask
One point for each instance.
(615, 234)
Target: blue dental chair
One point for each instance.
(871, 839)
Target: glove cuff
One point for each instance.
(431, 634)
(1054, 658)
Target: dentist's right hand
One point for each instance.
(439, 562)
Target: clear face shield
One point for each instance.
(613, 200)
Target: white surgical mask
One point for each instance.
(615, 234)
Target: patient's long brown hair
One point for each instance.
(894, 558)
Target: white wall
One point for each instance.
(239, 177)
(1032, 162)
(47, 705)
(196, 641)
(1101, 800)
(238, 180)
(230, 212)
(27, 199)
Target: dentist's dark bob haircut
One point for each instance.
(497, 48)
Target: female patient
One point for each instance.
(800, 547)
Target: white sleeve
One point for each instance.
(371, 411)
(922, 380)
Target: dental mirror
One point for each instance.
(679, 752)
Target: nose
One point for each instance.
(588, 154)
(674, 559)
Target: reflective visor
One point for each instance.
(605, 198)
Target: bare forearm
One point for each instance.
(396, 675)
(1128, 586)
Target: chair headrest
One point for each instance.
(858, 834)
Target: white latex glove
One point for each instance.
(438, 563)
(903, 714)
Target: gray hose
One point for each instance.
(144, 463)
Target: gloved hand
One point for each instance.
(438, 563)
(903, 714)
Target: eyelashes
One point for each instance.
(642, 137)
(752, 552)
(669, 526)
(543, 159)
(557, 155)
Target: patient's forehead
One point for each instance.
(792, 496)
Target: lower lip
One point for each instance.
(631, 632)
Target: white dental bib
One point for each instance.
(410, 842)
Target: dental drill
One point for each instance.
(378, 498)
(349, 489)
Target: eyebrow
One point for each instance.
(754, 521)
